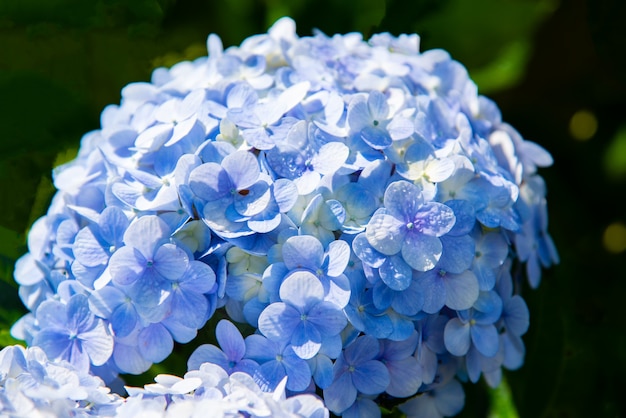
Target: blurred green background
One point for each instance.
(556, 68)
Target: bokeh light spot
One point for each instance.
(583, 125)
(614, 238)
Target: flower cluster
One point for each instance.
(33, 386)
(356, 203)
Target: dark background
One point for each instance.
(557, 69)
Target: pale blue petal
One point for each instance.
(207, 353)
(253, 199)
(278, 321)
(485, 339)
(403, 200)
(332, 215)
(358, 113)
(341, 394)
(371, 377)
(242, 168)
(377, 105)
(516, 315)
(327, 318)
(104, 301)
(400, 128)
(456, 336)
(434, 291)
(461, 290)
(450, 398)
(395, 273)
(210, 182)
(189, 308)
(330, 157)
(155, 343)
(376, 138)
(230, 340)
(285, 194)
(385, 233)
(303, 251)
(422, 252)
(301, 289)
(124, 319)
(306, 340)
(54, 342)
(366, 253)
(90, 249)
(129, 360)
(127, 265)
(170, 261)
(435, 219)
(145, 232)
(405, 377)
(97, 343)
(458, 253)
(323, 371)
(337, 258)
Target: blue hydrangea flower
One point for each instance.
(356, 370)
(409, 226)
(302, 317)
(354, 206)
(71, 332)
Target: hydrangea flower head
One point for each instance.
(351, 209)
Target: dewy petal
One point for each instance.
(395, 273)
(456, 336)
(403, 200)
(435, 219)
(422, 252)
(385, 233)
(366, 253)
